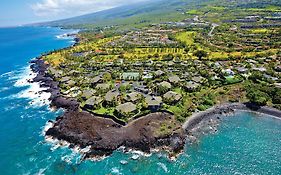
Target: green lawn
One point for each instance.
(194, 12)
(178, 90)
(186, 37)
(233, 79)
(108, 111)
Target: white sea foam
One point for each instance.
(2, 89)
(9, 108)
(47, 127)
(13, 75)
(66, 159)
(163, 166)
(63, 36)
(76, 152)
(56, 143)
(66, 35)
(73, 157)
(23, 77)
(34, 92)
(135, 153)
(7, 74)
(115, 170)
(141, 153)
(41, 171)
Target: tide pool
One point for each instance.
(244, 144)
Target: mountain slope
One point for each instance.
(158, 10)
(145, 13)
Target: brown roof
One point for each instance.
(126, 107)
(111, 95)
(165, 84)
(134, 96)
(103, 86)
(153, 101)
(94, 100)
(192, 85)
(174, 79)
(172, 96)
(88, 93)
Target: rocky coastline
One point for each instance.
(103, 136)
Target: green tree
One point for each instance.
(106, 77)
(201, 54)
(276, 99)
(258, 97)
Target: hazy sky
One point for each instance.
(17, 12)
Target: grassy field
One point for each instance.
(186, 37)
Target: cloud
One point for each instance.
(66, 8)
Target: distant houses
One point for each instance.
(154, 85)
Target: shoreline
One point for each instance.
(207, 122)
(229, 108)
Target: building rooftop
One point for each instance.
(165, 84)
(192, 85)
(95, 100)
(96, 79)
(88, 93)
(134, 96)
(111, 95)
(103, 86)
(172, 96)
(159, 73)
(126, 108)
(153, 101)
(174, 79)
(130, 75)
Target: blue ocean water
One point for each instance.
(244, 144)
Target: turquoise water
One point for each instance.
(245, 143)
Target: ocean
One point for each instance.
(245, 143)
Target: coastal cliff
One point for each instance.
(83, 129)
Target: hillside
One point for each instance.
(138, 14)
(146, 13)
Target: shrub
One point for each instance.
(202, 107)
(276, 99)
(258, 97)
(208, 102)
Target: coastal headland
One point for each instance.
(81, 128)
(155, 130)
